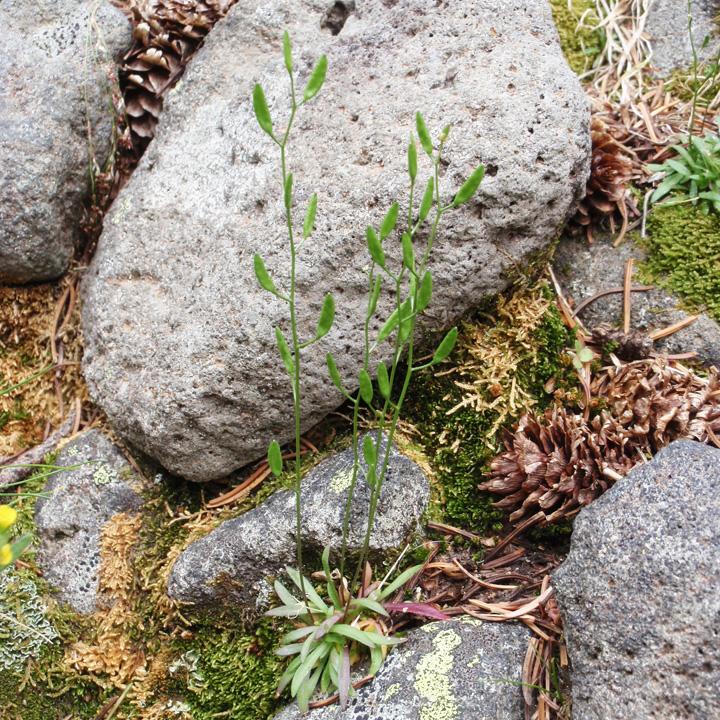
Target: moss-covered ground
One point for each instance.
(684, 255)
(579, 41)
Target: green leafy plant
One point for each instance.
(692, 176)
(331, 635)
(411, 285)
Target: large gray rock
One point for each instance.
(667, 27)
(55, 56)
(458, 670)
(233, 562)
(75, 506)
(640, 593)
(584, 270)
(180, 345)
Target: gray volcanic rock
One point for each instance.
(55, 56)
(584, 270)
(462, 669)
(233, 562)
(640, 592)
(667, 26)
(98, 484)
(180, 345)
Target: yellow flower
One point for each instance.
(8, 516)
(6, 555)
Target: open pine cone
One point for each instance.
(166, 34)
(558, 462)
(611, 170)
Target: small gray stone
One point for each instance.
(640, 593)
(180, 345)
(70, 519)
(667, 27)
(55, 56)
(231, 563)
(462, 669)
(584, 270)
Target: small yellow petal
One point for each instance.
(8, 516)
(6, 555)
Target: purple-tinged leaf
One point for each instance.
(420, 609)
(344, 678)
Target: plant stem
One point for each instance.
(295, 345)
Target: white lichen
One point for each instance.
(104, 475)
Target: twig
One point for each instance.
(612, 291)
(627, 299)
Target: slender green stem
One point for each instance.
(296, 344)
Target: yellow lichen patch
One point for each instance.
(391, 692)
(432, 678)
(29, 316)
(341, 480)
(491, 357)
(113, 659)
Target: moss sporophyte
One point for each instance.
(326, 652)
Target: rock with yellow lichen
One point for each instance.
(457, 670)
(232, 563)
(97, 482)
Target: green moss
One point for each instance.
(461, 444)
(580, 46)
(683, 248)
(232, 672)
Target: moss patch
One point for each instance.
(580, 45)
(508, 359)
(683, 248)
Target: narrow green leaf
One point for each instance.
(427, 200)
(408, 252)
(262, 114)
(388, 327)
(287, 650)
(287, 52)
(263, 276)
(275, 462)
(297, 634)
(361, 636)
(383, 380)
(288, 675)
(425, 293)
(308, 688)
(375, 248)
(400, 580)
(376, 660)
(412, 159)
(371, 605)
(317, 78)
(369, 450)
(423, 134)
(306, 667)
(287, 611)
(374, 295)
(389, 221)
(668, 184)
(327, 316)
(309, 224)
(366, 388)
(284, 351)
(287, 191)
(470, 186)
(304, 585)
(371, 476)
(334, 374)
(446, 346)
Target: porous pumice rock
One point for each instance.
(233, 563)
(667, 28)
(179, 338)
(55, 118)
(77, 502)
(640, 592)
(584, 270)
(462, 669)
